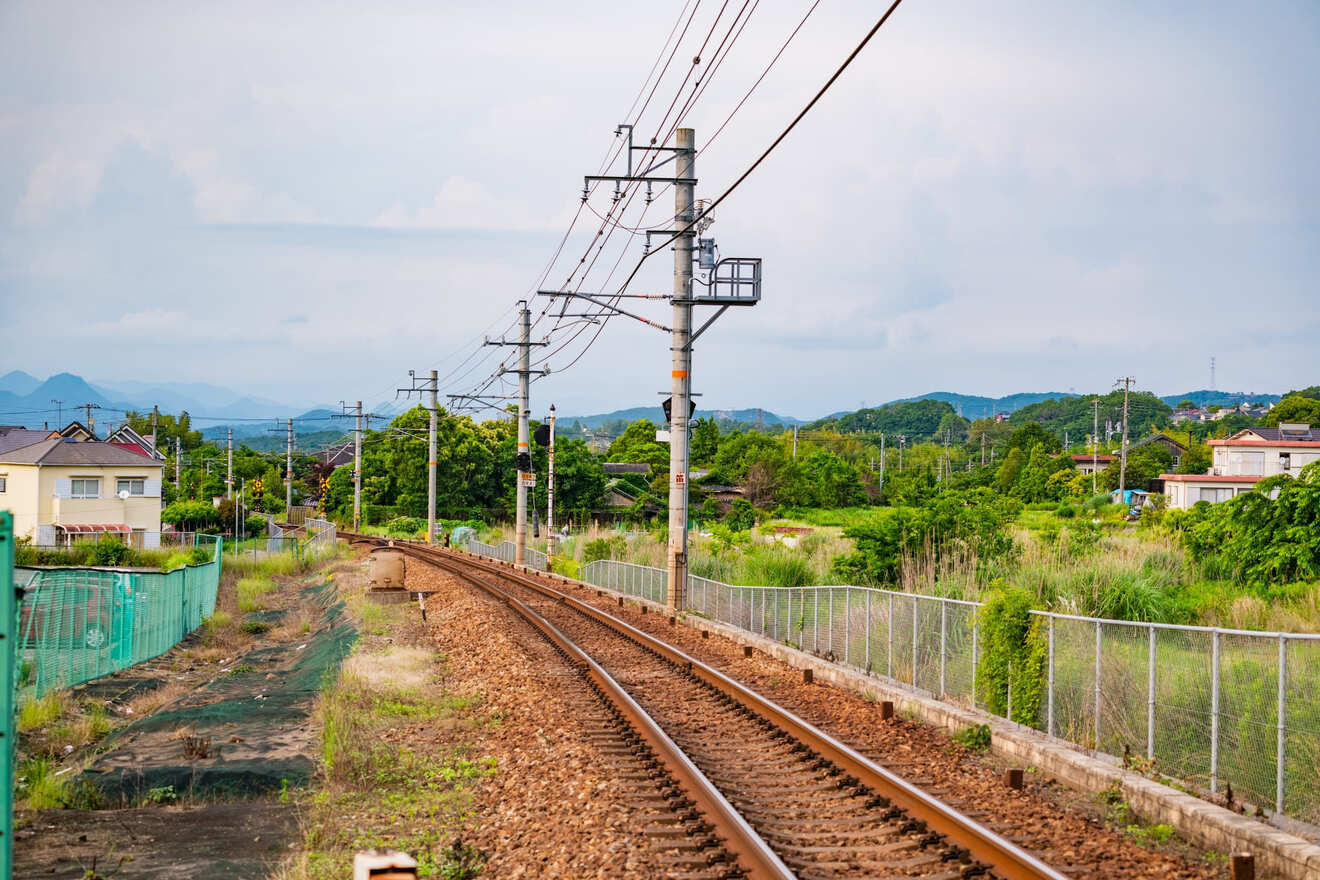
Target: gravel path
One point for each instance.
(553, 807)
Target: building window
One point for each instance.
(81, 487)
(131, 485)
(1285, 462)
(4, 484)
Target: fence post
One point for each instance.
(867, 630)
(1049, 684)
(829, 633)
(1010, 690)
(847, 624)
(9, 618)
(976, 632)
(815, 616)
(1150, 697)
(944, 625)
(914, 639)
(1281, 746)
(889, 669)
(1099, 642)
(1214, 713)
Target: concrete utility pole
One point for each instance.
(357, 468)
(91, 422)
(732, 281)
(524, 441)
(430, 457)
(523, 461)
(550, 495)
(795, 430)
(680, 372)
(1095, 440)
(59, 413)
(229, 470)
(155, 412)
(178, 464)
(1126, 382)
(431, 387)
(882, 464)
(288, 473)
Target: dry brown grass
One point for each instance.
(149, 701)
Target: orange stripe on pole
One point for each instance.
(679, 374)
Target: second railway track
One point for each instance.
(783, 798)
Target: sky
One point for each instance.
(305, 201)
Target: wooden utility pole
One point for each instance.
(229, 470)
(1126, 382)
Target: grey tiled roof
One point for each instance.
(62, 451)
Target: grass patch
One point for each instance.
(380, 787)
(976, 737)
(36, 714)
(250, 590)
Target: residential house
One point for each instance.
(60, 488)
(337, 456)
(1091, 464)
(1176, 449)
(126, 438)
(1240, 461)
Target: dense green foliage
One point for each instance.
(1294, 408)
(916, 419)
(1075, 415)
(1013, 656)
(1268, 535)
(970, 521)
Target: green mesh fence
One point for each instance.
(80, 624)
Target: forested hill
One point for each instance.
(974, 406)
(1074, 414)
(915, 419)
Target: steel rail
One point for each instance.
(755, 857)
(1003, 856)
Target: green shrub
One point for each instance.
(566, 566)
(1014, 654)
(604, 548)
(1065, 511)
(976, 737)
(1135, 597)
(109, 550)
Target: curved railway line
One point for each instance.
(742, 786)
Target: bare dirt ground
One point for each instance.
(247, 695)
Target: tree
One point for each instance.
(705, 440)
(1144, 464)
(1009, 470)
(1031, 434)
(1196, 460)
(637, 445)
(832, 481)
(1294, 408)
(1186, 404)
(742, 449)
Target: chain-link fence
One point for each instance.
(80, 623)
(321, 536)
(1210, 706)
(505, 552)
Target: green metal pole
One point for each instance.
(8, 628)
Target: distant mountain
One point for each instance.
(1205, 397)
(18, 383)
(657, 415)
(972, 406)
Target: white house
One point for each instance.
(1241, 461)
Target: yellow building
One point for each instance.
(60, 488)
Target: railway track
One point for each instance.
(748, 788)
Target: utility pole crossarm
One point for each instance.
(604, 305)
